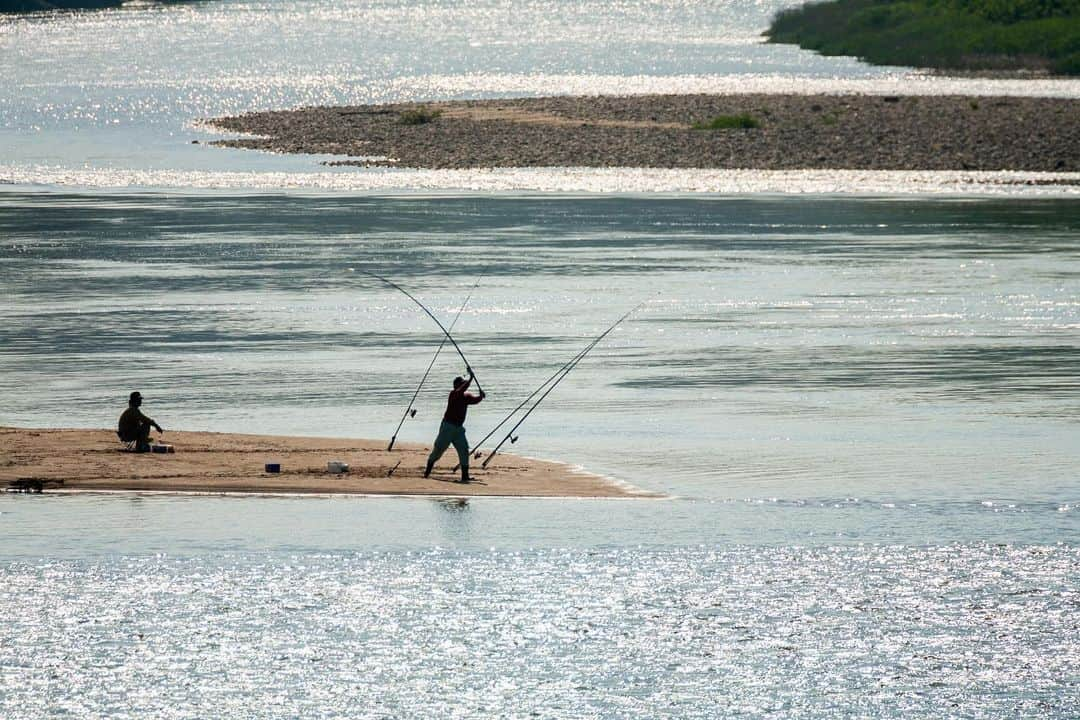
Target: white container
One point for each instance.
(336, 466)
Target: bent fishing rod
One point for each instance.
(431, 365)
(573, 363)
(430, 314)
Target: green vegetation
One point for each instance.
(729, 122)
(28, 6)
(419, 116)
(948, 34)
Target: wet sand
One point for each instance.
(219, 462)
(856, 132)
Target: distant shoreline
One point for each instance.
(216, 463)
(981, 35)
(781, 132)
(22, 7)
(15, 7)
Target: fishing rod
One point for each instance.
(476, 448)
(573, 363)
(431, 365)
(431, 315)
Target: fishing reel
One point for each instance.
(412, 413)
(514, 439)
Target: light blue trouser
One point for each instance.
(451, 434)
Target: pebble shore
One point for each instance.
(858, 132)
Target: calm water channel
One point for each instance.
(864, 409)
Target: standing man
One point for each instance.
(452, 428)
(134, 426)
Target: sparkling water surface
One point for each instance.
(115, 98)
(863, 412)
(839, 632)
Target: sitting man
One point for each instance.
(134, 426)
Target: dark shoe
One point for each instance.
(465, 480)
(142, 447)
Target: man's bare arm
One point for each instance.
(150, 421)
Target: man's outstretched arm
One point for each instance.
(150, 421)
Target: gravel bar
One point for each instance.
(859, 132)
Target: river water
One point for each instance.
(861, 405)
(115, 99)
(865, 411)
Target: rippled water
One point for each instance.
(865, 410)
(114, 98)
(790, 347)
(837, 632)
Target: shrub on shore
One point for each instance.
(419, 116)
(729, 122)
(947, 34)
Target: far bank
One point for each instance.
(1022, 36)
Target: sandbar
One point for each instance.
(94, 460)
(791, 132)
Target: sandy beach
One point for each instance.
(235, 463)
(857, 132)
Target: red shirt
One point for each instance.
(457, 405)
